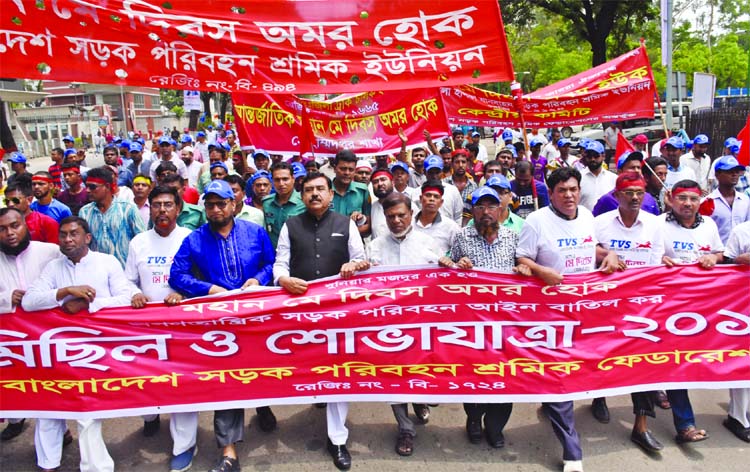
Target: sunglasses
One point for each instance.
(221, 204)
(14, 200)
(93, 187)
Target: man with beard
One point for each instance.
(18, 195)
(429, 220)
(149, 260)
(244, 258)
(635, 235)
(382, 186)
(556, 240)
(314, 244)
(401, 245)
(698, 161)
(21, 262)
(193, 166)
(595, 180)
(463, 181)
(485, 245)
(507, 163)
(167, 155)
(83, 280)
(43, 186)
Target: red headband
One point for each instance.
(381, 171)
(75, 169)
(439, 190)
(680, 190)
(623, 183)
(41, 178)
(95, 180)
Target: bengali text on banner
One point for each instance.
(256, 46)
(415, 334)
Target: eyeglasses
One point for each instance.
(14, 200)
(165, 205)
(633, 193)
(220, 204)
(484, 208)
(93, 187)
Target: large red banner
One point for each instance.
(367, 123)
(621, 89)
(307, 46)
(409, 335)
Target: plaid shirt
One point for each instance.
(500, 255)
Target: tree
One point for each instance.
(224, 99)
(178, 111)
(171, 98)
(206, 99)
(590, 20)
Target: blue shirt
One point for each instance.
(608, 202)
(246, 253)
(56, 209)
(112, 230)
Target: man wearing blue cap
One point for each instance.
(485, 245)
(248, 258)
(18, 167)
(166, 154)
(482, 155)
(725, 205)
(137, 164)
(698, 161)
(200, 148)
(539, 163)
(672, 153)
(68, 142)
(506, 218)
(595, 180)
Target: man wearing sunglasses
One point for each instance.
(228, 254)
(19, 195)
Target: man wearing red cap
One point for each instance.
(635, 236)
(640, 143)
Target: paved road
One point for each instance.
(299, 442)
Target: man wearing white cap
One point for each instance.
(482, 155)
(363, 171)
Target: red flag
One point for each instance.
(744, 136)
(623, 145)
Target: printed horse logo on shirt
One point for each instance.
(705, 248)
(646, 245)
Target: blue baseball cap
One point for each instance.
(68, 137)
(400, 165)
(536, 142)
(595, 146)
(262, 153)
(220, 188)
(676, 142)
(701, 139)
(229, 132)
(186, 139)
(564, 142)
(210, 126)
(18, 158)
(729, 142)
(498, 180)
(172, 142)
(433, 162)
(475, 134)
(482, 192)
(629, 156)
(507, 135)
(164, 140)
(136, 147)
(141, 140)
(125, 144)
(200, 134)
(68, 152)
(298, 170)
(115, 140)
(727, 163)
(261, 174)
(219, 164)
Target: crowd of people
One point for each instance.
(186, 216)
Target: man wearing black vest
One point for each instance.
(315, 244)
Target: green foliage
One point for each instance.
(171, 98)
(178, 111)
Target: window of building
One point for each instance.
(138, 101)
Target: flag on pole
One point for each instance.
(744, 137)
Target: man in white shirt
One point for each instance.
(698, 161)
(193, 167)
(595, 180)
(81, 280)
(725, 205)
(401, 246)
(166, 154)
(149, 261)
(672, 153)
(738, 419)
(429, 220)
(21, 262)
(482, 155)
(689, 238)
(635, 236)
(453, 205)
(555, 240)
(382, 186)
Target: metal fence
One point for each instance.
(719, 124)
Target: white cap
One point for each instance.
(363, 164)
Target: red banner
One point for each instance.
(366, 123)
(621, 89)
(411, 335)
(256, 46)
